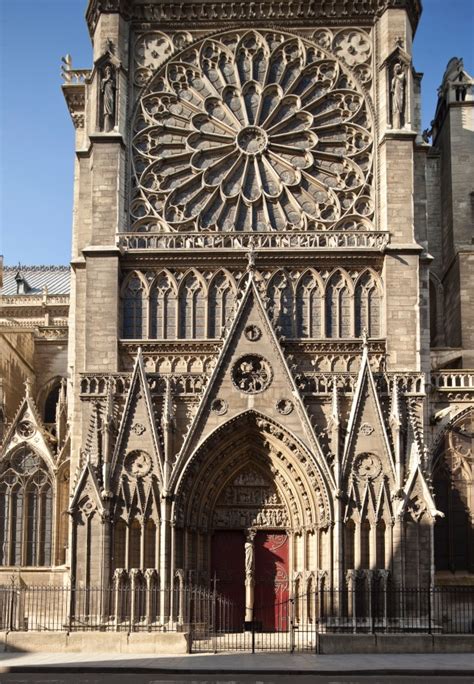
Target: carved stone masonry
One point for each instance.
(398, 95)
(108, 98)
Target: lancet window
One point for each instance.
(338, 307)
(134, 309)
(308, 307)
(367, 307)
(349, 544)
(135, 544)
(221, 300)
(192, 306)
(281, 295)
(136, 524)
(163, 309)
(26, 510)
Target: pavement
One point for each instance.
(262, 663)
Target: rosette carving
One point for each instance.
(251, 131)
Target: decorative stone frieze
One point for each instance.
(291, 12)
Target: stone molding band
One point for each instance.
(334, 12)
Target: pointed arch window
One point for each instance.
(380, 533)
(135, 545)
(191, 309)
(221, 301)
(338, 307)
(150, 544)
(365, 544)
(163, 309)
(134, 309)
(349, 544)
(120, 532)
(308, 307)
(26, 510)
(281, 297)
(367, 307)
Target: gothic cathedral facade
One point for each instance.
(270, 334)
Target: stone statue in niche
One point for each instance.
(249, 554)
(108, 89)
(397, 89)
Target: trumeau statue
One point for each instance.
(397, 89)
(108, 88)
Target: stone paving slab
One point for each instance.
(459, 663)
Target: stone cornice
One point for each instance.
(290, 12)
(101, 251)
(74, 91)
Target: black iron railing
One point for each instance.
(216, 623)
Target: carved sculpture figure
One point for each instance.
(249, 558)
(108, 99)
(397, 88)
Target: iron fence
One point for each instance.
(215, 623)
(295, 625)
(121, 609)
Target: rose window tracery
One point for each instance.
(252, 131)
(137, 463)
(252, 374)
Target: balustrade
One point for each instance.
(374, 240)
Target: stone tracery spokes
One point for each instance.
(263, 131)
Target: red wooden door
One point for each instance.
(271, 580)
(228, 566)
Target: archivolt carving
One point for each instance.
(261, 130)
(250, 438)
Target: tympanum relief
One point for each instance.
(250, 501)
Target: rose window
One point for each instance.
(252, 374)
(251, 131)
(138, 463)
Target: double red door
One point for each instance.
(271, 576)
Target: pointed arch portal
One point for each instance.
(248, 502)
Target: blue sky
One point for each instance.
(37, 137)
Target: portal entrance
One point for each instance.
(272, 589)
(261, 590)
(228, 571)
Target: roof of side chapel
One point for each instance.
(55, 278)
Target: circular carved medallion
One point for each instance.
(366, 429)
(138, 429)
(25, 429)
(367, 466)
(259, 129)
(219, 406)
(137, 463)
(252, 333)
(252, 374)
(284, 406)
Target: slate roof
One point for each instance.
(55, 278)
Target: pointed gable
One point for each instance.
(138, 430)
(251, 374)
(366, 430)
(27, 428)
(87, 488)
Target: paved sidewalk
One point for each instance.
(263, 663)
